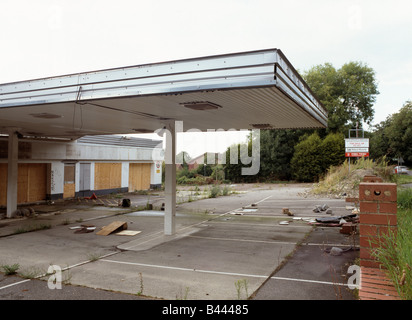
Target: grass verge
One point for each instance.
(395, 248)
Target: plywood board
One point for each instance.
(114, 226)
(127, 233)
(37, 187)
(139, 176)
(3, 184)
(31, 182)
(107, 176)
(69, 190)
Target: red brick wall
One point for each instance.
(378, 209)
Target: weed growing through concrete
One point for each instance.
(214, 192)
(31, 273)
(31, 228)
(141, 284)
(93, 257)
(183, 296)
(239, 285)
(10, 269)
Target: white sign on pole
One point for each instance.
(357, 147)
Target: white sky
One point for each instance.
(47, 38)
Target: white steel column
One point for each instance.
(170, 180)
(12, 174)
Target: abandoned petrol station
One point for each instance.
(248, 90)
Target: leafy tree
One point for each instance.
(233, 171)
(306, 163)
(348, 93)
(393, 137)
(332, 150)
(276, 151)
(379, 145)
(399, 133)
(183, 158)
(204, 169)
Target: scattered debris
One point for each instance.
(24, 212)
(287, 211)
(114, 226)
(92, 197)
(127, 233)
(336, 219)
(323, 207)
(83, 228)
(348, 228)
(335, 251)
(249, 210)
(126, 203)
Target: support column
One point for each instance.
(12, 174)
(170, 180)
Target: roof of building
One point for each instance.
(123, 141)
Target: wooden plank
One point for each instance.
(3, 184)
(22, 183)
(69, 190)
(127, 233)
(107, 176)
(146, 174)
(112, 227)
(37, 178)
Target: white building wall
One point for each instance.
(56, 177)
(55, 153)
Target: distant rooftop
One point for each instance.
(123, 141)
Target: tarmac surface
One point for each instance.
(225, 248)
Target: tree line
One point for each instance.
(348, 94)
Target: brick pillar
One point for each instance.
(378, 209)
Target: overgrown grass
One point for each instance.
(30, 228)
(346, 177)
(395, 248)
(10, 269)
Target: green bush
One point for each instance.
(332, 150)
(314, 156)
(214, 191)
(306, 161)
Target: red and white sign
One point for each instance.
(356, 148)
(356, 154)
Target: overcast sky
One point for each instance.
(47, 38)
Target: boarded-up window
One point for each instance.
(69, 173)
(69, 190)
(139, 176)
(31, 182)
(107, 176)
